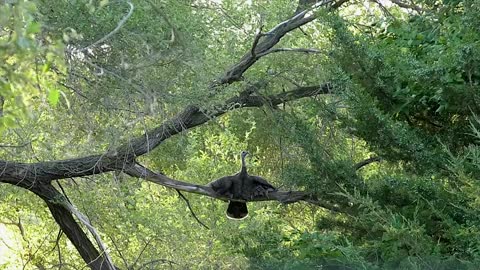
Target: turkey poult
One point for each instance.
(240, 186)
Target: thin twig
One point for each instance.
(191, 210)
(157, 261)
(14, 146)
(407, 6)
(142, 251)
(119, 25)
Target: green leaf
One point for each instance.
(9, 121)
(53, 97)
(33, 28)
(46, 67)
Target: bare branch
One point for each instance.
(385, 11)
(339, 4)
(191, 210)
(70, 227)
(2, 102)
(15, 146)
(75, 90)
(119, 25)
(255, 42)
(365, 162)
(407, 6)
(157, 261)
(272, 37)
(83, 219)
(139, 256)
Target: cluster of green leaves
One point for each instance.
(25, 63)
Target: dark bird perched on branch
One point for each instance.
(241, 186)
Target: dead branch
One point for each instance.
(255, 42)
(191, 210)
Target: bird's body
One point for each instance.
(241, 186)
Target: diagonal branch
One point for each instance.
(85, 221)
(270, 39)
(27, 175)
(64, 218)
(191, 210)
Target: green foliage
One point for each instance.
(405, 89)
(25, 62)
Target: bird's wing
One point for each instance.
(261, 181)
(222, 185)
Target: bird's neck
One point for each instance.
(244, 167)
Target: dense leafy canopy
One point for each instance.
(371, 107)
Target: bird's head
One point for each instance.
(244, 154)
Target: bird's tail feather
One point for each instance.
(237, 210)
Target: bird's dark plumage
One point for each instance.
(241, 186)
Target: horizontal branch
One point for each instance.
(285, 197)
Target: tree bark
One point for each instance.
(69, 226)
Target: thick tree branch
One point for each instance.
(27, 175)
(70, 227)
(285, 197)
